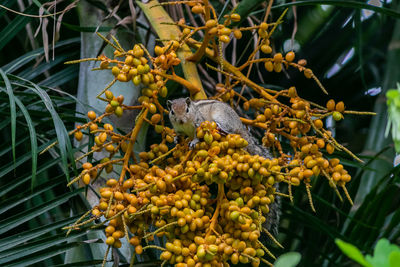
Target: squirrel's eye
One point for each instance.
(187, 109)
(172, 111)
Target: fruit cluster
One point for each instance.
(173, 197)
(210, 204)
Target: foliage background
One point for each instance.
(355, 54)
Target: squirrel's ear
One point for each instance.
(169, 104)
(188, 101)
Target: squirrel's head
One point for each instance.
(179, 110)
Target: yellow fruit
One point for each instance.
(110, 240)
(269, 66)
(330, 148)
(266, 49)
(264, 26)
(318, 124)
(330, 105)
(292, 92)
(158, 50)
(337, 116)
(290, 56)
(118, 111)
(340, 106)
(235, 17)
(238, 34)
(225, 31)
(198, 9)
(109, 95)
(278, 57)
(224, 38)
(115, 70)
(78, 135)
(91, 115)
(277, 67)
(86, 179)
(186, 31)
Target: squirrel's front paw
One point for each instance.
(176, 139)
(193, 143)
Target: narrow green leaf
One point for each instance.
(14, 27)
(61, 77)
(4, 123)
(352, 252)
(33, 72)
(14, 184)
(22, 60)
(246, 6)
(62, 134)
(84, 105)
(6, 168)
(50, 252)
(7, 3)
(19, 238)
(82, 263)
(13, 110)
(39, 245)
(27, 195)
(20, 218)
(342, 3)
(32, 136)
(7, 148)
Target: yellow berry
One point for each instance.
(224, 38)
(115, 70)
(197, 9)
(238, 34)
(340, 106)
(330, 105)
(186, 31)
(290, 56)
(225, 31)
(86, 179)
(110, 240)
(330, 148)
(122, 77)
(211, 23)
(91, 115)
(266, 49)
(269, 66)
(235, 17)
(277, 67)
(78, 135)
(136, 80)
(264, 26)
(292, 92)
(109, 95)
(118, 111)
(337, 116)
(278, 57)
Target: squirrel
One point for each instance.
(186, 115)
